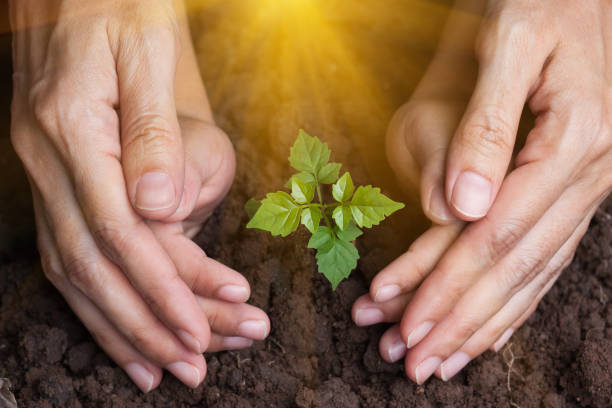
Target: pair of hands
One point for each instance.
(461, 290)
(112, 123)
(113, 127)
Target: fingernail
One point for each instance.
(253, 329)
(426, 368)
(140, 375)
(386, 293)
(437, 204)
(187, 373)
(453, 365)
(396, 350)
(503, 339)
(233, 293)
(189, 341)
(233, 343)
(419, 333)
(471, 194)
(366, 317)
(154, 191)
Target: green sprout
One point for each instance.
(280, 213)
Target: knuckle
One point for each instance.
(150, 133)
(160, 347)
(157, 296)
(51, 268)
(488, 133)
(81, 268)
(46, 106)
(22, 146)
(505, 27)
(152, 27)
(502, 238)
(112, 236)
(522, 271)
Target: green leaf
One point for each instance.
(329, 173)
(302, 192)
(278, 214)
(369, 206)
(308, 153)
(311, 217)
(305, 177)
(350, 233)
(252, 206)
(337, 261)
(342, 216)
(342, 190)
(321, 239)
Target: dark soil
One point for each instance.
(315, 356)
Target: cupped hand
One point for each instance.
(456, 297)
(111, 121)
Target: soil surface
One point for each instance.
(266, 81)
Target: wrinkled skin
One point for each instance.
(113, 126)
(463, 288)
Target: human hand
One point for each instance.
(105, 94)
(527, 220)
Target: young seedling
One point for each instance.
(280, 213)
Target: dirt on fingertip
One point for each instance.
(315, 356)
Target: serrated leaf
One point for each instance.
(305, 177)
(321, 239)
(342, 216)
(311, 217)
(252, 206)
(342, 190)
(350, 233)
(300, 191)
(369, 206)
(337, 261)
(308, 153)
(278, 214)
(329, 173)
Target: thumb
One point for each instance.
(152, 153)
(417, 141)
(510, 61)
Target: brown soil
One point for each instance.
(315, 356)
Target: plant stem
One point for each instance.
(323, 206)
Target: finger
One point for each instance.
(130, 243)
(100, 280)
(145, 374)
(366, 312)
(419, 134)
(409, 270)
(235, 319)
(481, 245)
(209, 171)
(494, 290)
(507, 334)
(511, 56)
(498, 329)
(151, 144)
(222, 343)
(417, 139)
(205, 276)
(88, 140)
(391, 346)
